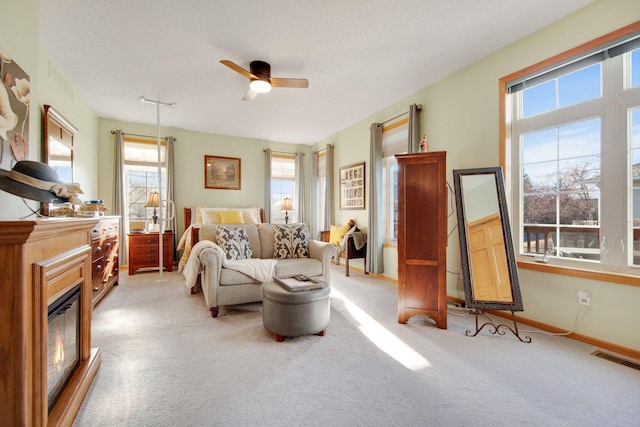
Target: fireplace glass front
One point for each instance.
(63, 343)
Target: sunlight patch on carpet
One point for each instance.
(382, 337)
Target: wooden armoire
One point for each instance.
(422, 236)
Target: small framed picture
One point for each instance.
(352, 187)
(222, 173)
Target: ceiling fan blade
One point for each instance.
(250, 95)
(237, 68)
(284, 82)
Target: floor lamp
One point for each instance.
(144, 100)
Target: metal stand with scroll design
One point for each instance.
(488, 261)
(497, 327)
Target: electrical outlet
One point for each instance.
(584, 297)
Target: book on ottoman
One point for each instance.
(298, 283)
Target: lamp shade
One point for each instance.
(154, 200)
(287, 205)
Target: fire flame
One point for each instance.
(58, 355)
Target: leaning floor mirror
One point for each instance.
(488, 260)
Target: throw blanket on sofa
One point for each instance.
(260, 269)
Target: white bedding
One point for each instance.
(206, 215)
(261, 270)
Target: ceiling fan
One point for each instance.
(261, 80)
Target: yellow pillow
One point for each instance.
(231, 217)
(211, 215)
(337, 233)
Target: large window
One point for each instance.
(395, 138)
(575, 159)
(141, 176)
(283, 180)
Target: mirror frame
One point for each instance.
(516, 304)
(51, 116)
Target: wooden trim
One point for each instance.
(603, 276)
(69, 402)
(385, 278)
(629, 352)
(579, 337)
(288, 156)
(576, 51)
(504, 154)
(395, 125)
(145, 141)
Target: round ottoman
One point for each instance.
(291, 314)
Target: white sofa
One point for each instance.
(223, 286)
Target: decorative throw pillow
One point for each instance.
(234, 241)
(290, 241)
(231, 217)
(337, 233)
(205, 215)
(250, 215)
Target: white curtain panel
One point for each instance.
(299, 199)
(375, 237)
(267, 185)
(119, 203)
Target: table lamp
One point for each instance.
(286, 207)
(154, 202)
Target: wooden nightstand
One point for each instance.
(144, 251)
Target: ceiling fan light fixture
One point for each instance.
(260, 86)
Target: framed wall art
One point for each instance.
(352, 187)
(222, 172)
(15, 92)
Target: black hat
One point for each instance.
(38, 181)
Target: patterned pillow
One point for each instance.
(234, 241)
(290, 241)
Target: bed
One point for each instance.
(195, 216)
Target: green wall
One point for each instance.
(460, 116)
(19, 40)
(190, 149)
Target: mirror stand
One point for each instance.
(497, 327)
(489, 267)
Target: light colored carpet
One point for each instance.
(166, 362)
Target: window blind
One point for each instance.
(597, 55)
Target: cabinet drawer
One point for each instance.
(144, 240)
(144, 251)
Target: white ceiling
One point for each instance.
(359, 56)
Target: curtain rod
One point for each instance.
(113, 132)
(419, 106)
(264, 150)
(395, 117)
(323, 149)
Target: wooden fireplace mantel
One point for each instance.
(42, 259)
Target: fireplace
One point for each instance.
(45, 314)
(63, 343)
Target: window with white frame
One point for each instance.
(575, 163)
(283, 180)
(395, 139)
(141, 176)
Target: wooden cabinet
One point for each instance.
(104, 259)
(422, 237)
(42, 259)
(144, 250)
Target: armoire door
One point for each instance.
(422, 236)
